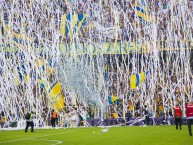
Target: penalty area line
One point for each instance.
(35, 137)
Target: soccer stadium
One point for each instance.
(90, 72)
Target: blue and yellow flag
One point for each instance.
(22, 73)
(71, 24)
(105, 72)
(141, 13)
(112, 99)
(42, 66)
(56, 97)
(136, 79)
(18, 38)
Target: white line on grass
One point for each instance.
(57, 141)
(35, 137)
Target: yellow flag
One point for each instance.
(115, 115)
(56, 97)
(132, 81)
(141, 77)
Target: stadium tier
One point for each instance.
(95, 62)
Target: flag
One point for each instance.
(71, 24)
(141, 13)
(41, 66)
(105, 72)
(22, 73)
(42, 83)
(133, 82)
(112, 99)
(56, 97)
(141, 77)
(114, 115)
(18, 38)
(136, 79)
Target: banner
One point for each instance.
(101, 48)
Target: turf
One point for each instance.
(154, 135)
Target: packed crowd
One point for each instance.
(171, 20)
(169, 79)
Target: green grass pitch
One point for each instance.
(154, 135)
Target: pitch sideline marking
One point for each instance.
(35, 137)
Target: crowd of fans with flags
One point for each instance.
(129, 18)
(132, 80)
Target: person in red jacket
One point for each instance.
(189, 115)
(178, 116)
